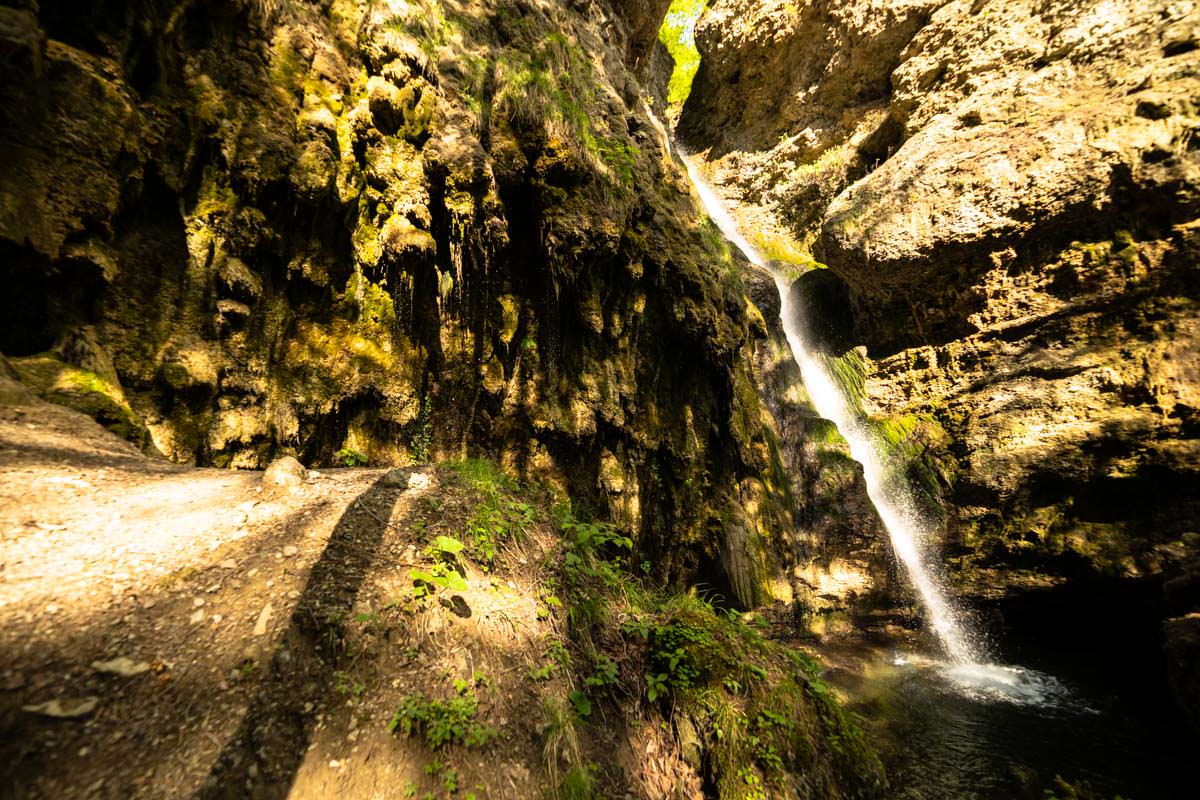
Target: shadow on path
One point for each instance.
(263, 757)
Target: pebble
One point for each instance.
(122, 665)
(260, 626)
(229, 563)
(196, 618)
(290, 551)
(198, 602)
(65, 708)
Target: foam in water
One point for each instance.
(892, 500)
(994, 683)
(1007, 684)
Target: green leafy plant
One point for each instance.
(349, 457)
(557, 658)
(580, 702)
(604, 673)
(482, 475)
(497, 520)
(344, 685)
(439, 576)
(446, 572)
(442, 722)
(579, 783)
(478, 680)
(422, 438)
(656, 686)
(587, 554)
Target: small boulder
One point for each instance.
(285, 473)
(396, 479)
(123, 666)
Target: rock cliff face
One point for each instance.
(1009, 196)
(386, 231)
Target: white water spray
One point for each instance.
(892, 499)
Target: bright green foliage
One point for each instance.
(592, 551)
(448, 545)
(446, 572)
(437, 577)
(498, 518)
(581, 703)
(678, 33)
(482, 475)
(442, 722)
(496, 521)
(769, 713)
(349, 457)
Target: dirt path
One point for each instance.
(177, 632)
(192, 575)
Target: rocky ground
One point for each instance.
(147, 608)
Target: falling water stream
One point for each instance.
(891, 498)
(960, 726)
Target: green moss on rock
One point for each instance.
(84, 391)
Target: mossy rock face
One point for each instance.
(84, 391)
(406, 229)
(1011, 291)
(765, 723)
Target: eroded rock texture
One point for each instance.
(1010, 192)
(235, 229)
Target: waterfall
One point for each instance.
(892, 498)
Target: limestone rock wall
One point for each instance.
(343, 229)
(1006, 197)
(1010, 194)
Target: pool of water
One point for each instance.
(1004, 732)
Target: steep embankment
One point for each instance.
(1007, 197)
(384, 231)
